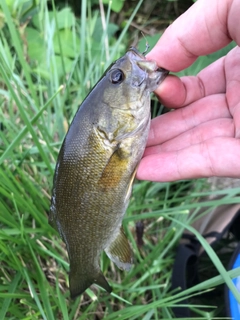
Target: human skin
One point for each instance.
(200, 138)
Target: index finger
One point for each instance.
(205, 27)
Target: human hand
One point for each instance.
(201, 137)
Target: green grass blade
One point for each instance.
(123, 33)
(25, 130)
(34, 294)
(19, 50)
(212, 255)
(41, 279)
(62, 303)
(26, 119)
(9, 297)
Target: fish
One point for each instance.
(96, 167)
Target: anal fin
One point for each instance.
(120, 252)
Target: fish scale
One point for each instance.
(96, 167)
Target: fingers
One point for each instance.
(177, 92)
(196, 135)
(172, 92)
(209, 158)
(199, 139)
(172, 124)
(233, 87)
(206, 27)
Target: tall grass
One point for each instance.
(47, 67)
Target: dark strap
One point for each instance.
(185, 268)
(184, 275)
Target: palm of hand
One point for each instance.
(201, 138)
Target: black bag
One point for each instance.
(213, 226)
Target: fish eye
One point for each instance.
(116, 76)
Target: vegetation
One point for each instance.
(50, 58)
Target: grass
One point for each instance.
(39, 92)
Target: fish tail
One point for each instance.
(79, 282)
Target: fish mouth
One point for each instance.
(149, 70)
(148, 65)
(164, 73)
(136, 52)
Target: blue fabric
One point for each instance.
(234, 305)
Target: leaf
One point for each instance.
(116, 5)
(98, 30)
(55, 67)
(65, 18)
(36, 45)
(69, 44)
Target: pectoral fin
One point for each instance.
(119, 251)
(129, 189)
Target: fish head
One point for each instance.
(132, 77)
(145, 71)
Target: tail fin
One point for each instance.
(79, 282)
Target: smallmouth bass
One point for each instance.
(96, 167)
